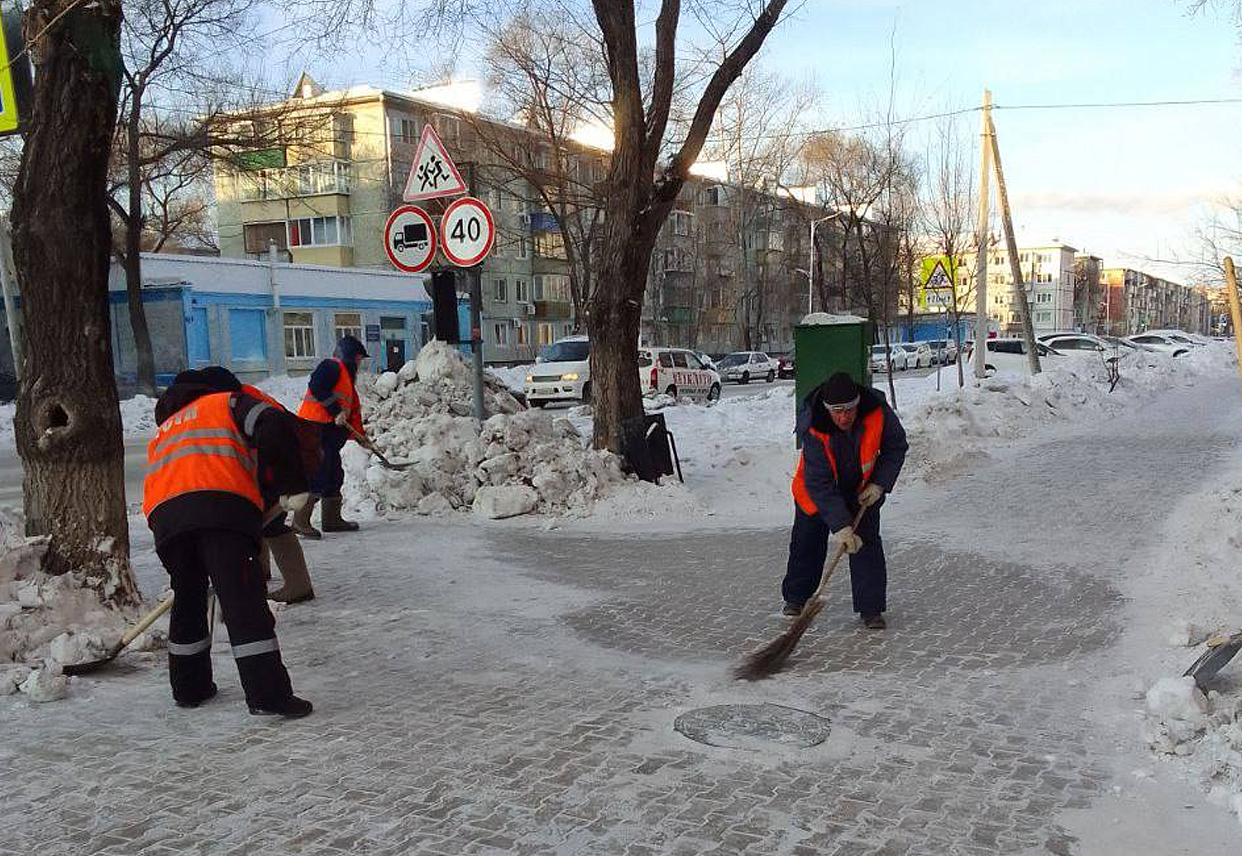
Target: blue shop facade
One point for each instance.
(260, 319)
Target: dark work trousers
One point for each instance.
(331, 475)
(230, 560)
(808, 550)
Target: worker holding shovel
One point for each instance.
(853, 447)
(332, 400)
(204, 505)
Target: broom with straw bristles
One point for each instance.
(768, 660)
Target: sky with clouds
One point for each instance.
(1129, 184)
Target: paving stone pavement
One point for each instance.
(485, 689)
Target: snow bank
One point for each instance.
(47, 621)
(816, 319)
(1193, 574)
(514, 377)
(523, 460)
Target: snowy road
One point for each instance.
(11, 474)
(502, 689)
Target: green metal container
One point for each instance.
(823, 349)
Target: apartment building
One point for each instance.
(1136, 301)
(324, 196)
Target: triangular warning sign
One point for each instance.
(433, 174)
(939, 277)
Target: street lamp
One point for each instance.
(810, 273)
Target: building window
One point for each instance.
(321, 232)
(502, 332)
(523, 334)
(1043, 297)
(681, 222)
(552, 287)
(549, 245)
(523, 250)
(520, 292)
(1043, 317)
(259, 236)
(405, 130)
(448, 127)
(347, 324)
(711, 196)
(247, 335)
(546, 334)
(500, 291)
(299, 334)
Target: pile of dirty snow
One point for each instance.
(514, 377)
(523, 461)
(47, 621)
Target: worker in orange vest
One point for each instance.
(204, 505)
(853, 447)
(279, 540)
(332, 400)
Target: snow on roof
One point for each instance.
(818, 319)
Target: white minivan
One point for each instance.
(677, 372)
(562, 372)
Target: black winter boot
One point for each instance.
(290, 708)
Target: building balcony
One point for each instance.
(553, 309)
(308, 179)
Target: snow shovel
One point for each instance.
(127, 637)
(370, 447)
(1221, 649)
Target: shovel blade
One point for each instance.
(1212, 661)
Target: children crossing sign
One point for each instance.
(936, 283)
(433, 174)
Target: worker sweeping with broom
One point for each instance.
(853, 447)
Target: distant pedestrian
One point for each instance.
(203, 503)
(853, 447)
(332, 399)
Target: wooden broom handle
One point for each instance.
(836, 557)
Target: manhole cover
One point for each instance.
(753, 726)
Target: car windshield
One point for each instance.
(877, 350)
(566, 352)
(734, 360)
(909, 348)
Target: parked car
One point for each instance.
(918, 354)
(744, 366)
(1009, 355)
(785, 365)
(1182, 337)
(944, 351)
(677, 372)
(1162, 343)
(880, 364)
(562, 372)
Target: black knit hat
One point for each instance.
(840, 392)
(218, 377)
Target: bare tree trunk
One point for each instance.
(68, 420)
(144, 355)
(614, 325)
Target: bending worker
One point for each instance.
(279, 541)
(332, 399)
(853, 447)
(203, 503)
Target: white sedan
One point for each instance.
(745, 366)
(1162, 343)
(880, 364)
(918, 354)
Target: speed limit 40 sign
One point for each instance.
(467, 232)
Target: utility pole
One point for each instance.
(1011, 244)
(981, 258)
(7, 283)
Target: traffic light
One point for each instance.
(444, 305)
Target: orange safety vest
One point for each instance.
(255, 392)
(343, 394)
(868, 453)
(200, 448)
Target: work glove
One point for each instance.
(870, 495)
(294, 501)
(340, 419)
(845, 537)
